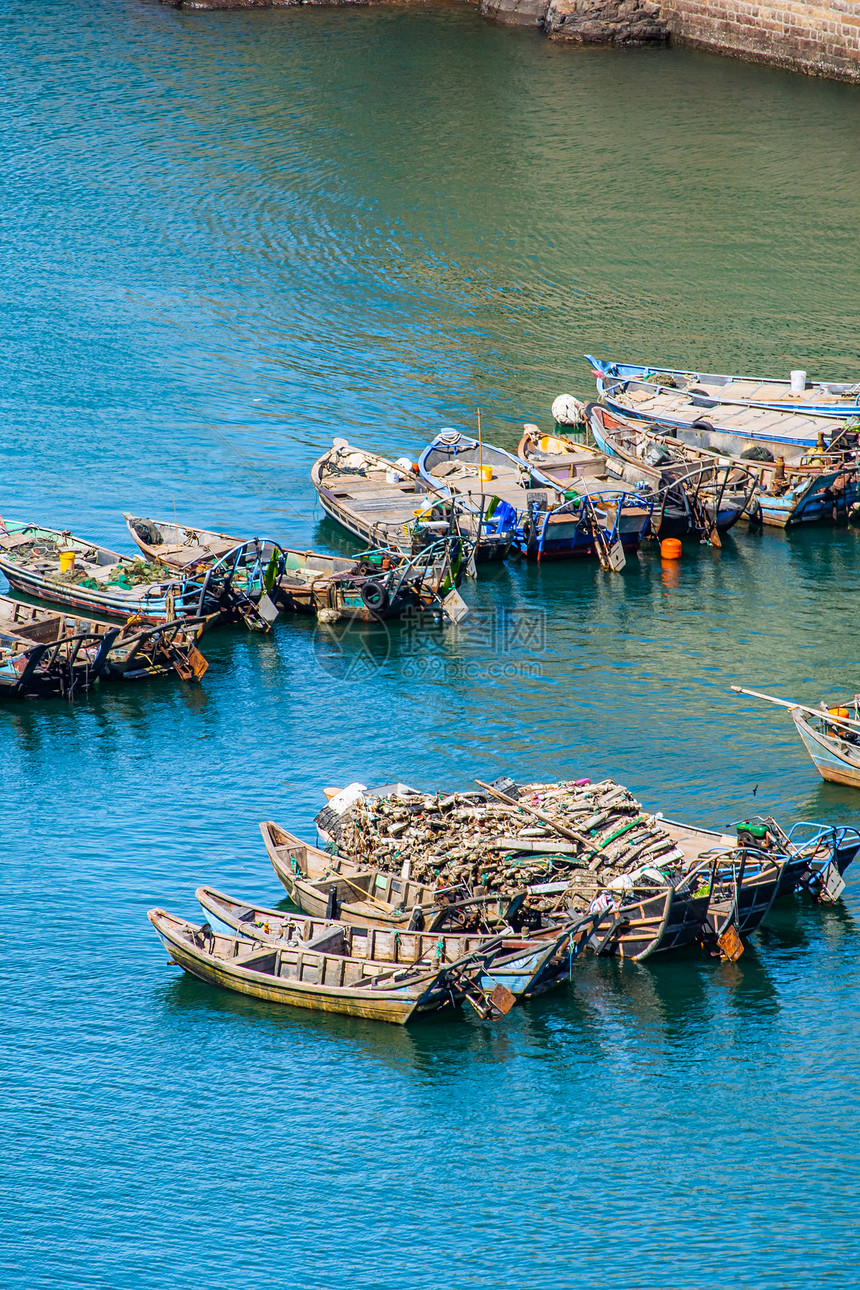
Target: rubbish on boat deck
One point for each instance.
(581, 834)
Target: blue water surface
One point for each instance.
(225, 238)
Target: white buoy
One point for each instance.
(568, 411)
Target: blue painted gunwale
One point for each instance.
(603, 368)
(163, 600)
(570, 514)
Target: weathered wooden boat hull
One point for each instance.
(57, 670)
(405, 516)
(162, 600)
(719, 426)
(93, 603)
(835, 760)
(544, 530)
(818, 495)
(526, 965)
(826, 499)
(67, 654)
(775, 392)
(658, 922)
(313, 879)
(259, 978)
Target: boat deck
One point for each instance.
(801, 429)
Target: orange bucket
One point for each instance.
(670, 549)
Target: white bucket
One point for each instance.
(798, 382)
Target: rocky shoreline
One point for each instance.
(583, 22)
(820, 39)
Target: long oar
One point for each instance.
(787, 703)
(571, 834)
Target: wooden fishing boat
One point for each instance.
(385, 504)
(717, 889)
(724, 426)
(831, 736)
(694, 492)
(656, 920)
(367, 587)
(47, 652)
(818, 854)
(328, 886)
(41, 656)
(805, 853)
(554, 520)
(53, 565)
(799, 487)
(821, 398)
(525, 965)
(743, 886)
(314, 974)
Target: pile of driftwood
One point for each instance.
(505, 837)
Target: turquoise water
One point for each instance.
(225, 238)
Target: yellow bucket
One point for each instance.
(67, 561)
(485, 474)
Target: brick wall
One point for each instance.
(822, 39)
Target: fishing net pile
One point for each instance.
(599, 836)
(129, 574)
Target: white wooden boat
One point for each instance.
(831, 736)
(821, 398)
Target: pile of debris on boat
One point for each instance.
(574, 835)
(424, 901)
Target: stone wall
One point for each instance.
(820, 38)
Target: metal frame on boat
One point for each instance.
(553, 519)
(813, 487)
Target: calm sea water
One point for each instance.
(226, 238)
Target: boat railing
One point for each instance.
(834, 835)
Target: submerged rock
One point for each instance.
(517, 13)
